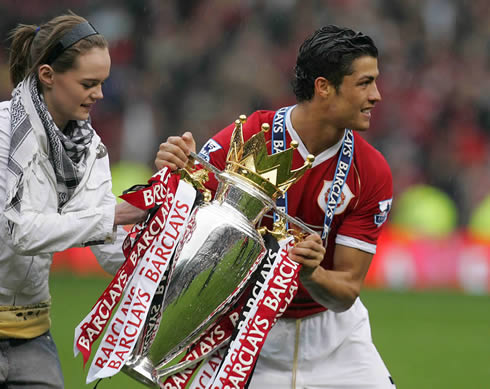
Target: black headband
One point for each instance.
(71, 37)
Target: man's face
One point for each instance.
(358, 94)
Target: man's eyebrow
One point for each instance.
(367, 78)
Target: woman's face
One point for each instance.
(71, 95)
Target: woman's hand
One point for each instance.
(128, 214)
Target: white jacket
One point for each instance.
(40, 231)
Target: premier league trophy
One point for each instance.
(214, 260)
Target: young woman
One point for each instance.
(55, 185)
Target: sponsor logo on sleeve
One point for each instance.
(210, 146)
(384, 207)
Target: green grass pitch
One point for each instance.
(428, 340)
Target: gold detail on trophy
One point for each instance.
(197, 178)
(298, 234)
(270, 173)
(278, 231)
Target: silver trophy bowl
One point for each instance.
(215, 259)
(213, 263)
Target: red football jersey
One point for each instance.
(363, 208)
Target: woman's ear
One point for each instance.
(323, 88)
(45, 74)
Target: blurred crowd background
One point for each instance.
(195, 65)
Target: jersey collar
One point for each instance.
(323, 156)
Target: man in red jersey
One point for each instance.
(323, 340)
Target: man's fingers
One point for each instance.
(171, 155)
(189, 141)
(178, 142)
(174, 153)
(309, 252)
(306, 252)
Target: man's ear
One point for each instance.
(323, 87)
(46, 75)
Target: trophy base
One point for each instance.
(141, 370)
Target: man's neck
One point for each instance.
(315, 132)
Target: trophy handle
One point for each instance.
(206, 164)
(218, 174)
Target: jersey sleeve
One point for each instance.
(214, 151)
(216, 148)
(362, 226)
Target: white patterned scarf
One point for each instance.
(67, 150)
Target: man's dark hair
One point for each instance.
(329, 53)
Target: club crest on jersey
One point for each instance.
(384, 207)
(210, 146)
(345, 197)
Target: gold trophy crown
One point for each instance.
(250, 160)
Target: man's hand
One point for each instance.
(174, 153)
(309, 253)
